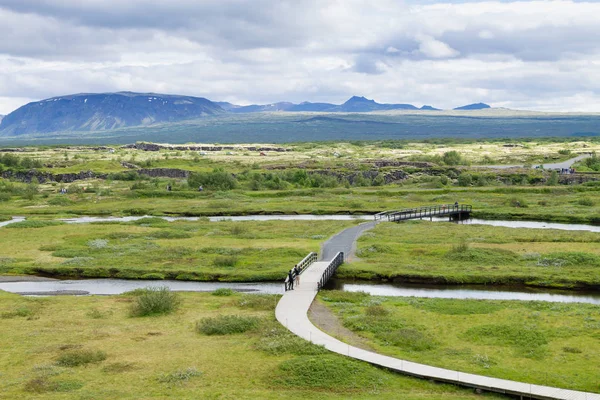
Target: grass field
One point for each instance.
(536, 342)
(152, 248)
(439, 252)
(91, 348)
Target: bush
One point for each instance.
(225, 261)
(452, 158)
(155, 301)
(44, 385)
(218, 179)
(179, 377)
(586, 201)
(227, 325)
(223, 292)
(330, 372)
(80, 357)
(34, 224)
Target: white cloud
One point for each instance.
(525, 54)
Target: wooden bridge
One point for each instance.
(452, 211)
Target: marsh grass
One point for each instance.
(76, 358)
(277, 340)
(330, 372)
(155, 301)
(223, 292)
(538, 342)
(227, 325)
(179, 377)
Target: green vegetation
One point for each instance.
(155, 301)
(456, 254)
(163, 357)
(77, 358)
(227, 325)
(152, 248)
(543, 343)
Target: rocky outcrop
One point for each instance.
(577, 179)
(391, 163)
(158, 147)
(164, 172)
(42, 177)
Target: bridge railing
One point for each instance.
(424, 212)
(331, 268)
(302, 265)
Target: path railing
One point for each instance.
(442, 210)
(331, 268)
(302, 265)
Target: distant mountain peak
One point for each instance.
(474, 106)
(359, 99)
(92, 112)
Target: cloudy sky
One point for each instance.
(540, 55)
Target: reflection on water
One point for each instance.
(526, 224)
(465, 292)
(12, 221)
(118, 286)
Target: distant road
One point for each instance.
(565, 164)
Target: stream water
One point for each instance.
(117, 286)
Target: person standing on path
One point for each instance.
(297, 275)
(291, 279)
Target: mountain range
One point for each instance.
(90, 112)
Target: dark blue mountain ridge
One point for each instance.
(104, 111)
(475, 106)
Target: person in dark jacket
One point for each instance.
(291, 279)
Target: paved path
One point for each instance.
(345, 241)
(292, 311)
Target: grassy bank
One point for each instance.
(435, 252)
(535, 342)
(91, 348)
(152, 248)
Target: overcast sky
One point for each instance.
(539, 55)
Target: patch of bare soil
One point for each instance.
(329, 323)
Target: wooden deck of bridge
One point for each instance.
(452, 211)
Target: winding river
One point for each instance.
(117, 286)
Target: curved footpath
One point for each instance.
(292, 311)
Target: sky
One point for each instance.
(532, 55)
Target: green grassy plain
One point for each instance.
(152, 248)
(164, 357)
(440, 252)
(544, 343)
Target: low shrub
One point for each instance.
(179, 377)
(586, 201)
(329, 372)
(276, 340)
(155, 301)
(80, 357)
(225, 261)
(227, 325)
(223, 292)
(44, 384)
(34, 224)
(409, 339)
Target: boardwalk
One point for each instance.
(292, 311)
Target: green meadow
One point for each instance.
(210, 347)
(544, 343)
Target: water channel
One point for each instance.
(117, 286)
